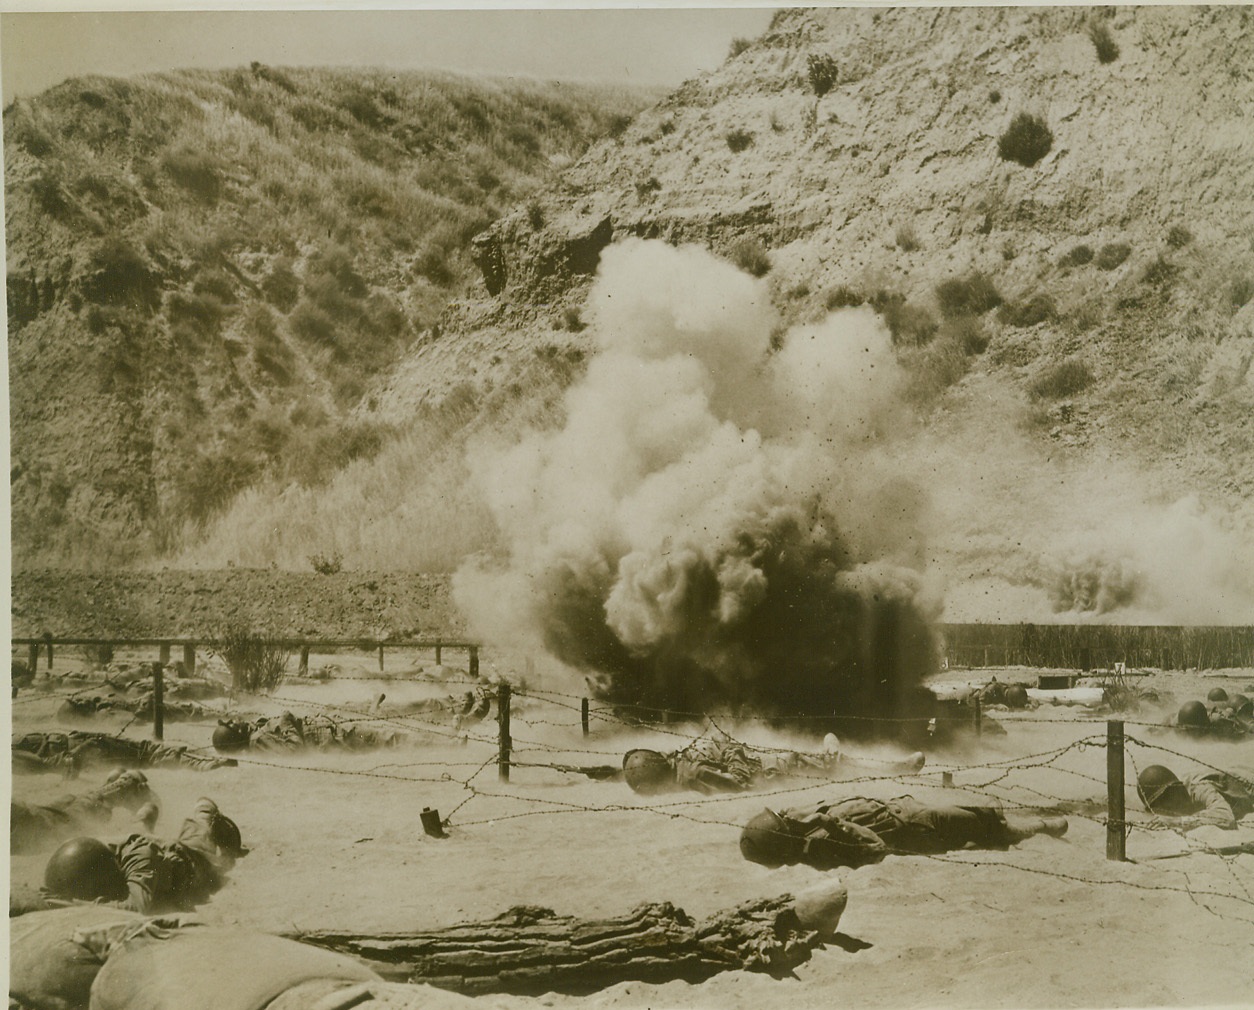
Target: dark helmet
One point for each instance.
(1017, 696)
(226, 836)
(1241, 705)
(648, 772)
(767, 840)
(1152, 783)
(85, 869)
(1217, 694)
(230, 736)
(1193, 713)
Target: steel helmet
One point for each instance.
(1153, 782)
(85, 869)
(1017, 696)
(230, 736)
(648, 772)
(1241, 705)
(1193, 713)
(1217, 694)
(767, 840)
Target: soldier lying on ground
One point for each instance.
(68, 753)
(144, 873)
(1218, 798)
(1010, 695)
(715, 763)
(858, 830)
(289, 733)
(87, 706)
(1223, 718)
(34, 826)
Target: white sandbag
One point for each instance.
(55, 955)
(212, 968)
(1089, 697)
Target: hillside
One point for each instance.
(206, 269)
(1074, 325)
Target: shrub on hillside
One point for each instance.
(312, 324)
(1063, 379)
(739, 140)
(1112, 255)
(1077, 256)
(822, 72)
(933, 369)
(751, 256)
(257, 661)
(1179, 236)
(327, 564)
(1103, 42)
(1027, 140)
(1160, 273)
(204, 313)
(119, 275)
(617, 125)
(909, 325)
(966, 332)
(281, 285)
(194, 171)
(738, 46)
(841, 297)
(973, 295)
(906, 237)
(1037, 309)
(1241, 291)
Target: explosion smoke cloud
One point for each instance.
(692, 537)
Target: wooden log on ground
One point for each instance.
(530, 950)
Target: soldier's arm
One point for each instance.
(138, 856)
(1215, 809)
(838, 842)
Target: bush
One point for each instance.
(1241, 291)
(910, 325)
(994, 97)
(823, 73)
(195, 172)
(1112, 255)
(281, 286)
(1027, 140)
(966, 332)
(1179, 236)
(907, 239)
(751, 256)
(738, 46)
(572, 321)
(1077, 257)
(842, 297)
(119, 275)
(535, 215)
(313, 325)
(1036, 309)
(1103, 42)
(1160, 273)
(1063, 379)
(972, 295)
(618, 125)
(325, 564)
(738, 140)
(257, 662)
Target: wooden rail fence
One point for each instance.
(45, 643)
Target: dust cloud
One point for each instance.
(716, 525)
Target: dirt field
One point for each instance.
(337, 843)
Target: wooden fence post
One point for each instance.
(583, 714)
(164, 654)
(437, 654)
(380, 657)
(502, 760)
(189, 658)
(474, 661)
(32, 657)
(303, 669)
(979, 721)
(158, 701)
(1116, 834)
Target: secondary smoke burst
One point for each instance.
(711, 527)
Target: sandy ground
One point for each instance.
(337, 843)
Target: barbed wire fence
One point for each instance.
(998, 782)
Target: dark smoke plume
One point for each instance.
(715, 527)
